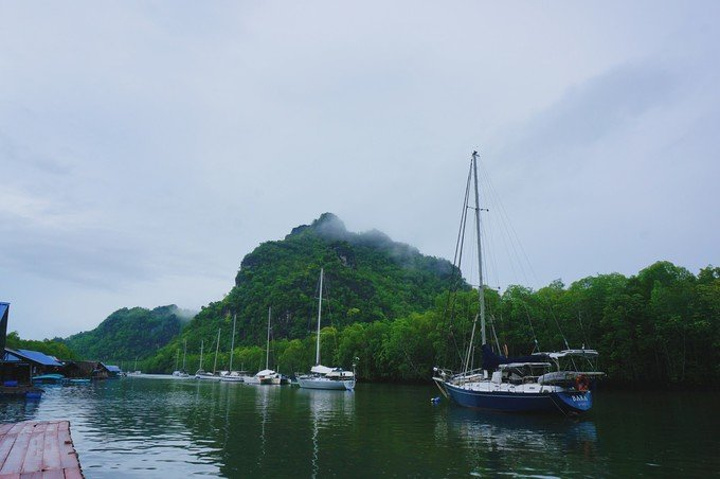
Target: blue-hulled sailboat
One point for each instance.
(557, 381)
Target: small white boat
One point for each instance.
(232, 377)
(204, 375)
(267, 376)
(323, 377)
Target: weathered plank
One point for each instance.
(34, 455)
(51, 453)
(38, 450)
(14, 461)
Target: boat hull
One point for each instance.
(324, 383)
(507, 401)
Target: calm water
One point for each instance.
(148, 427)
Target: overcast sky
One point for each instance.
(147, 147)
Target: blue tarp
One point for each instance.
(32, 356)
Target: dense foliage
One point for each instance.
(51, 347)
(660, 327)
(128, 334)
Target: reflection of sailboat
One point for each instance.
(327, 410)
(323, 377)
(267, 376)
(529, 440)
(539, 382)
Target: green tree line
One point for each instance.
(659, 327)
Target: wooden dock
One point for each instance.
(38, 450)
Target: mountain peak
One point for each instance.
(327, 225)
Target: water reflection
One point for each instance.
(151, 428)
(327, 408)
(530, 445)
(18, 409)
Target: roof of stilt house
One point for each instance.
(36, 357)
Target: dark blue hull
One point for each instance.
(566, 401)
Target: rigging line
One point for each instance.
(511, 238)
(457, 263)
(512, 242)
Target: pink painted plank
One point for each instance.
(51, 452)
(73, 473)
(68, 456)
(32, 475)
(54, 474)
(13, 462)
(42, 450)
(7, 441)
(35, 447)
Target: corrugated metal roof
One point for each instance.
(33, 356)
(111, 368)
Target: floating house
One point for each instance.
(15, 370)
(39, 363)
(91, 370)
(108, 371)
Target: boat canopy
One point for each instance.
(523, 365)
(320, 369)
(492, 361)
(585, 353)
(265, 372)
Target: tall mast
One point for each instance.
(184, 352)
(481, 289)
(217, 348)
(201, 352)
(267, 351)
(232, 341)
(317, 348)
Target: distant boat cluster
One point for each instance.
(319, 377)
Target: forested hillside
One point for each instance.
(128, 334)
(368, 278)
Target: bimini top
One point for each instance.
(320, 369)
(36, 357)
(584, 353)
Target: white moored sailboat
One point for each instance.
(232, 376)
(267, 375)
(201, 373)
(323, 377)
